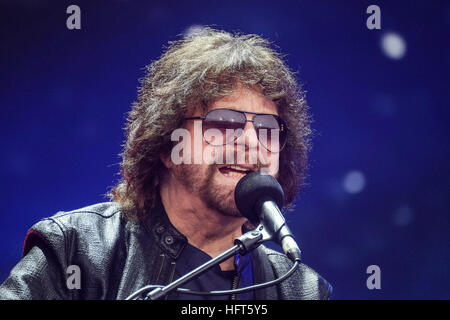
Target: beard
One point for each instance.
(215, 196)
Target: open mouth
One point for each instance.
(234, 171)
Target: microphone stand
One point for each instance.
(244, 244)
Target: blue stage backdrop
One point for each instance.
(379, 179)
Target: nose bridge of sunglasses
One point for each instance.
(250, 126)
(248, 136)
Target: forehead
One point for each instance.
(250, 99)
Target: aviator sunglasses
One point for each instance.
(270, 129)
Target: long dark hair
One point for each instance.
(194, 72)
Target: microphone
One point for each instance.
(258, 197)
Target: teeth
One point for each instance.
(235, 174)
(238, 168)
(240, 172)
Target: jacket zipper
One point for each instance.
(234, 286)
(163, 259)
(171, 276)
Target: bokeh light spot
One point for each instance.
(403, 216)
(393, 45)
(354, 182)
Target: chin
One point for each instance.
(220, 194)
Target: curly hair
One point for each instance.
(193, 73)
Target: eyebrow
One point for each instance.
(277, 96)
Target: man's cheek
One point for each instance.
(213, 154)
(271, 165)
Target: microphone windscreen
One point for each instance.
(254, 187)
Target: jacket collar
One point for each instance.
(169, 239)
(263, 272)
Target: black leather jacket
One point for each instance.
(117, 257)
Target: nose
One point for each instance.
(249, 138)
(247, 145)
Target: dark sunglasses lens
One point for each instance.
(271, 130)
(220, 126)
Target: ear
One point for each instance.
(166, 160)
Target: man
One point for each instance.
(169, 216)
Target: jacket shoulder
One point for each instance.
(98, 211)
(98, 224)
(87, 238)
(304, 284)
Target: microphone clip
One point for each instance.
(252, 239)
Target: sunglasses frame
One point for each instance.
(280, 121)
